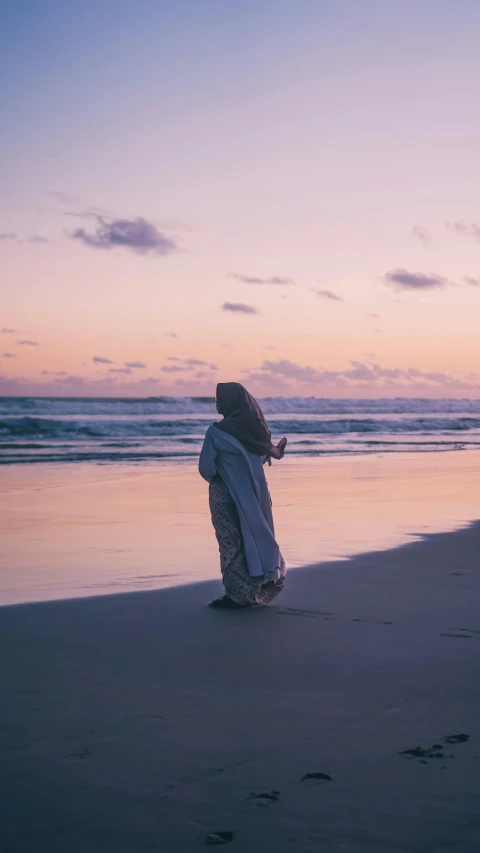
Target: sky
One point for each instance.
(277, 192)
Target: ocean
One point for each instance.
(76, 429)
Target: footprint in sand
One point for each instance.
(222, 837)
(320, 777)
(296, 611)
(461, 738)
(422, 752)
(457, 636)
(373, 621)
(265, 797)
(462, 633)
(436, 750)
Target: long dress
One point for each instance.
(252, 566)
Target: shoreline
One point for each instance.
(212, 586)
(89, 530)
(145, 721)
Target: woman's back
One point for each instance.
(232, 460)
(223, 455)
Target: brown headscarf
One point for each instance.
(244, 419)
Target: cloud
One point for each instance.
(27, 343)
(274, 280)
(356, 379)
(474, 282)
(91, 212)
(8, 355)
(198, 362)
(9, 331)
(125, 370)
(327, 294)
(138, 235)
(54, 373)
(472, 230)
(404, 280)
(70, 380)
(173, 368)
(171, 335)
(183, 365)
(106, 386)
(272, 379)
(376, 316)
(135, 364)
(36, 238)
(422, 234)
(193, 362)
(290, 370)
(64, 198)
(358, 375)
(99, 360)
(239, 308)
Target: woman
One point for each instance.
(232, 458)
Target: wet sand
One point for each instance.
(146, 722)
(85, 529)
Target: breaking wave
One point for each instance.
(78, 429)
(204, 405)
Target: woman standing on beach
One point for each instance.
(232, 458)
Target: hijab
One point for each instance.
(244, 419)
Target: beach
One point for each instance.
(147, 722)
(241, 239)
(343, 717)
(73, 530)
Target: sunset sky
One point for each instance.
(280, 192)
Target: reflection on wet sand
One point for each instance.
(77, 531)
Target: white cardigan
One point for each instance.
(223, 455)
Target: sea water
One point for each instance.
(41, 429)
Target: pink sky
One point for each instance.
(281, 196)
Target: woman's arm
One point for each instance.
(207, 462)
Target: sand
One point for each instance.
(145, 721)
(70, 531)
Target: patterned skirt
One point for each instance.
(239, 585)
